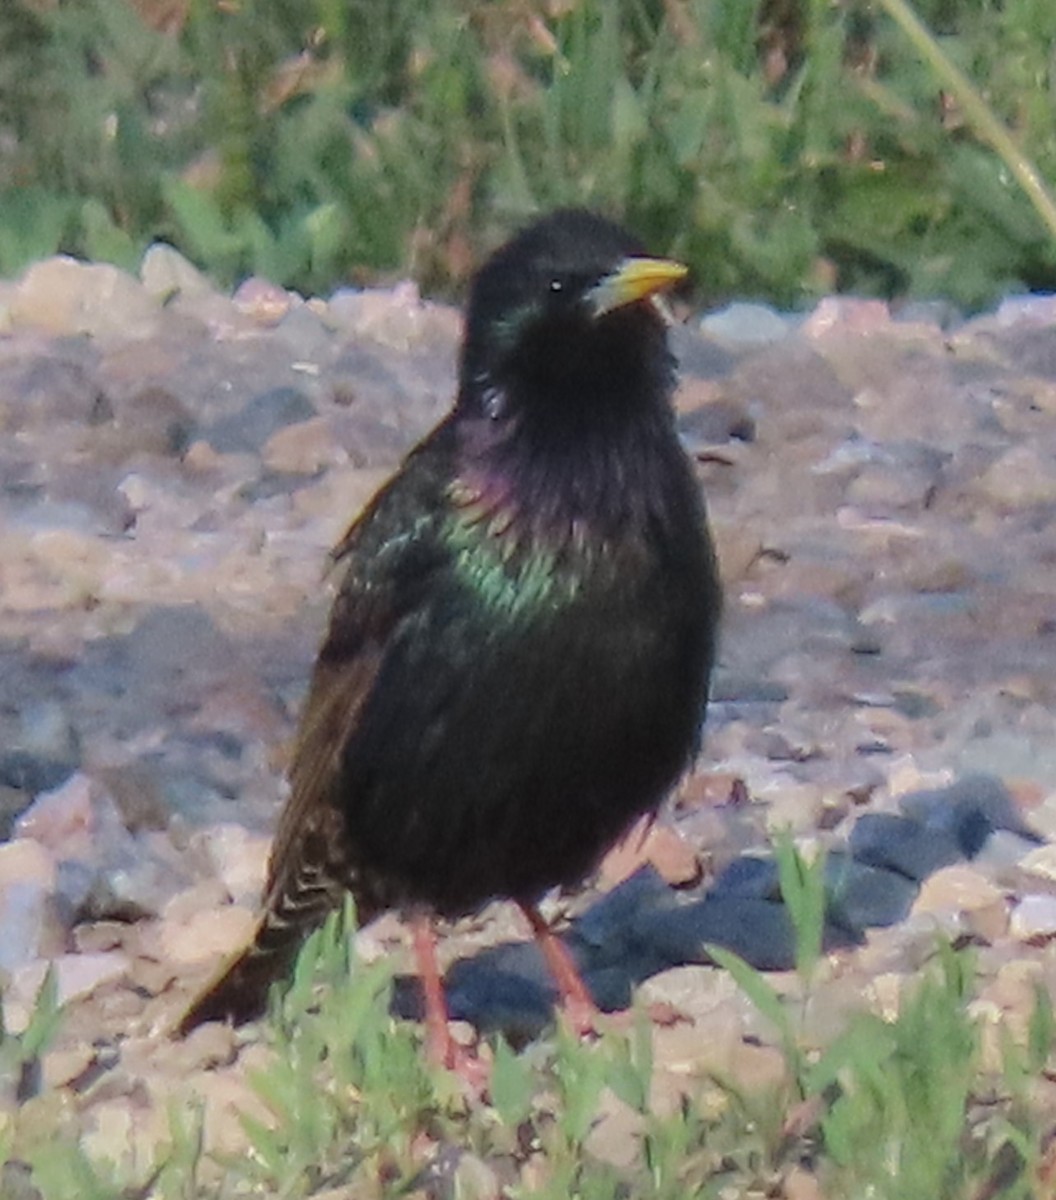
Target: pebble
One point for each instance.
(959, 888)
(205, 936)
(674, 859)
(846, 314)
(1041, 861)
(76, 975)
(250, 429)
(742, 326)
(64, 296)
(1021, 477)
(166, 275)
(240, 859)
(1034, 917)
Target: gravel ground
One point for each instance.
(175, 464)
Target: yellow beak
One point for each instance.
(634, 279)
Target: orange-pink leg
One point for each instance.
(438, 1041)
(440, 1047)
(580, 1009)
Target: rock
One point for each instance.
(741, 326)
(960, 888)
(31, 773)
(936, 311)
(150, 421)
(714, 424)
(45, 751)
(307, 337)
(63, 819)
(247, 431)
(209, 1046)
(64, 296)
(206, 935)
(1041, 862)
(104, 871)
(847, 315)
(1028, 310)
(16, 1181)
(759, 931)
(903, 845)
(31, 926)
(76, 975)
(166, 275)
(615, 1136)
(1034, 919)
(860, 897)
(63, 1065)
(306, 448)
(968, 811)
(13, 802)
(392, 317)
(1022, 476)
(137, 793)
(265, 302)
(46, 730)
(473, 1179)
(240, 858)
(654, 844)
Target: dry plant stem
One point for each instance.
(978, 113)
(580, 1009)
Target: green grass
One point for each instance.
(893, 1109)
(783, 147)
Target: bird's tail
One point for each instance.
(238, 990)
(311, 868)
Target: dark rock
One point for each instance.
(759, 931)
(33, 773)
(968, 811)
(860, 897)
(248, 430)
(903, 845)
(751, 876)
(154, 421)
(48, 389)
(13, 803)
(272, 483)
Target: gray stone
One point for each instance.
(247, 431)
(741, 325)
(166, 274)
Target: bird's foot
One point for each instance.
(579, 1012)
(582, 1018)
(444, 1052)
(440, 1046)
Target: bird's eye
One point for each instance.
(556, 285)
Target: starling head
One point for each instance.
(563, 315)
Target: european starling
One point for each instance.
(518, 656)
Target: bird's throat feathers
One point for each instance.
(541, 514)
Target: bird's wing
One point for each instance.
(388, 555)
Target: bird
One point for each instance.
(518, 656)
